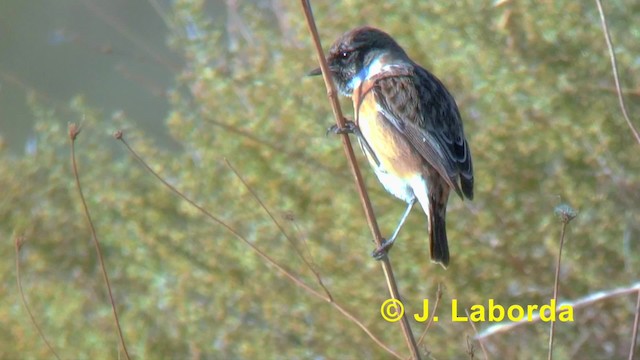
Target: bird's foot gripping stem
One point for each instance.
(349, 128)
(381, 251)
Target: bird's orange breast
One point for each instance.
(392, 149)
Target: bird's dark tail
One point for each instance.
(438, 229)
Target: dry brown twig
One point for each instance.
(636, 324)
(475, 330)
(326, 296)
(362, 192)
(74, 130)
(470, 349)
(580, 303)
(19, 241)
(435, 310)
(566, 214)
(614, 68)
(281, 229)
(634, 131)
(294, 155)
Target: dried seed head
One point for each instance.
(565, 212)
(74, 130)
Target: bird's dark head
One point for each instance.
(360, 53)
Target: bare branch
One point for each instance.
(288, 274)
(74, 130)
(281, 229)
(18, 244)
(614, 67)
(475, 330)
(362, 192)
(433, 313)
(293, 155)
(634, 332)
(566, 214)
(583, 302)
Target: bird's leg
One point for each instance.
(386, 245)
(350, 127)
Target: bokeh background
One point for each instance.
(193, 83)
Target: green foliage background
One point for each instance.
(534, 85)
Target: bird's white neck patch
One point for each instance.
(376, 67)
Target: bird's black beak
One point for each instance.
(315, 72)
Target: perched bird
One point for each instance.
(408, 126)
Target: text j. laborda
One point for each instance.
(392, 310)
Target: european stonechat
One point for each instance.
(408, 126)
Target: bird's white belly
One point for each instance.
(384, 156)
(399, 187)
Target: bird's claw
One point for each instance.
(381, 251)
(349, 128)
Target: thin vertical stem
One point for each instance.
(636, 323)
(556, 285)
(614, 67)
(73, 133)
(362, 192)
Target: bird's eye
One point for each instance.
(344, 54)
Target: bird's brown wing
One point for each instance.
(422, 109)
